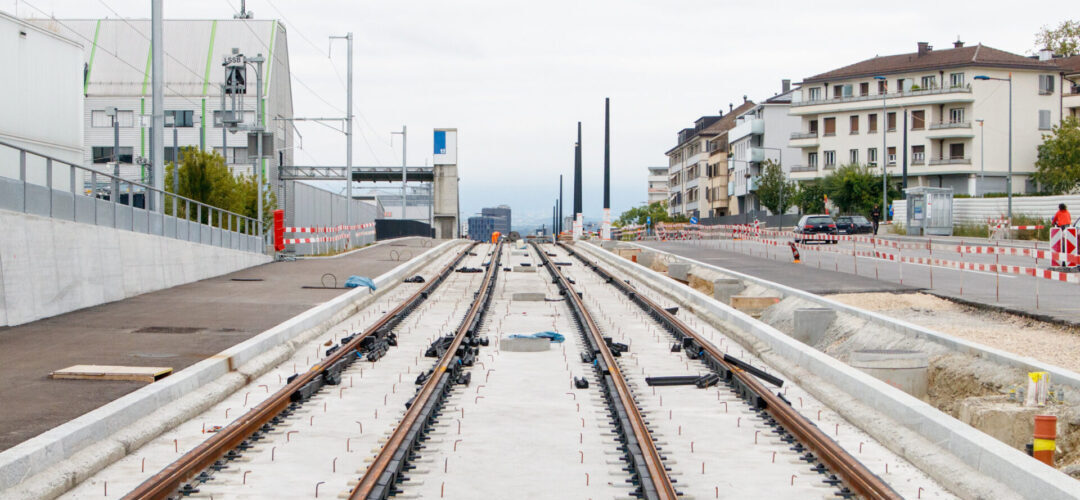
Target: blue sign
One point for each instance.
(648, 219)
(440, 142)
(693, 220)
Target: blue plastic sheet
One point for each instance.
(358, 281)
(552, 336)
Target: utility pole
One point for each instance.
(348, 141)
(176, 166)
(560, 204)
(577, 185)
(260, 123)
(157, 84)
(404, 137)
(605, 228)
(982, 158)
(115, 194)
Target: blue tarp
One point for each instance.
(554, 337)
(357, 281)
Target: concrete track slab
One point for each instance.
(223, 312)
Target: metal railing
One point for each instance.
(202, 223)
(803, 168)
(950, 161)
(803, 135)
(877, 97)
(947, 125)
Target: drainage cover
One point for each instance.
(169, 329)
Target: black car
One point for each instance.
(853, 224)
(814, 224)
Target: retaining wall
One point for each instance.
(53, 266)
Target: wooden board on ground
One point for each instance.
(102, 372)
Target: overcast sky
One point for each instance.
(514, 77)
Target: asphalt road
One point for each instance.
(827, 271)
(218, 311)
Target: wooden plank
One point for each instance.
(104, 372)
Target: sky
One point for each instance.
(515, 77)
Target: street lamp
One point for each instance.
(883, 158)
(982, 157)
(1008, 180)
(112, 112)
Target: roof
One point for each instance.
(117, 51)
(977, 55)
(1070, 65)
(717, 124)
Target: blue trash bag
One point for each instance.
(552, 336)
(357, 281)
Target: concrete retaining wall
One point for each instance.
(52, 266)
(98, 429)
(982, 453)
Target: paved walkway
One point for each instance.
(218, 313)
(826, 272)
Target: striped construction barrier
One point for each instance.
(334, 233)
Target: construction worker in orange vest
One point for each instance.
(1062, 218)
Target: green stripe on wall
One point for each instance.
(206, 82)
(90, 65)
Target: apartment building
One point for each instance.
(688, 163)
(658, 184)
(1070, 86)
(760, 133)
(937, 110)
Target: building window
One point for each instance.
(1044, 119)
(830, 159)
(815, 93)
(103, 154)
(864, 89)
(892, 155)
(918, 120)
(918, 155)
(956, 115)
(871, 123)
(234, 156)
(183, 118)
(956, 151)
(98, 119)
(853, 156)
(929, 82)
(1046, 84)
(848, 90)
(854, 124)
(891, 126)
(871, 157)
(882, 87)
(956, 80)
(830, 126)
(837, 90)
(811, 160)
(813, 127)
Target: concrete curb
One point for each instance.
(982, 453)
(1058, 375)
(101, 426)
(366, 247)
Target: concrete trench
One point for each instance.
(966, 386)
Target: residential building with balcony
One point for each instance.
(658, 184)
(932, 100)
(761, 133)
(716, 169)
(689, 182)
(1070, 86)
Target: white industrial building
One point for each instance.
(116, 62)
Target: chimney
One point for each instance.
(1046, 55)
(957, 44)
(744, 98)
(785, 84)
(924, 48)
(730, 107)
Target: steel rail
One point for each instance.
(653, 476)
(379, 478)
(171, 479)
(849, 469)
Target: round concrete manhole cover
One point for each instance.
(169, 329)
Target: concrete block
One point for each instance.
(679, 270)
(725, 288)
(608, 244)
(528, 297)
(628, 253)
(519, 253)
(646, 258)
(524, 269)
(524, 344)
(753, 306)
(809, 324)
(906, 370)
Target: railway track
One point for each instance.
(835, 465)
(183, 476)
(381, 478)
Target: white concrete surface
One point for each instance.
(343, 422)
(52, 266)
(55, 461)
(968, 462)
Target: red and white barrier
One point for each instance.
(335, 233)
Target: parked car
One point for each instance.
(814, 224)
(853, 224)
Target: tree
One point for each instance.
(1063, 40)
(810, 197)
(856, 189)
(205, 178)
(657, 211)
(774, 190)
(1057, 168)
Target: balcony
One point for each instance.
(803, 135)
(877, 97)
(950, 161)
(803, 168)
(948, 125)
(747, 127)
